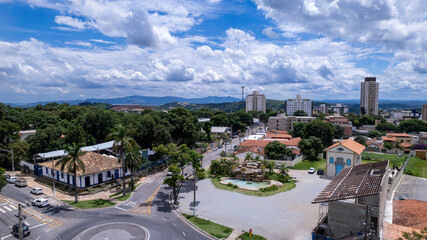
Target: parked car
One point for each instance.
(24, 228)
(312, 170)
(21, 182)
(36, 191)
(320, 172)
(11, 180)
(214, 149)
(220, 146)
(7, 175)
(169, 174)
(41, 202)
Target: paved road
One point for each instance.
(288, 215)
(412, 188)
(148, 207)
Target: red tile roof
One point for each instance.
(278, 136)
(398, 135)
(350, 144)
(277, 131)
(406, 145)
(263, 143)
(410, 213)
(390, 139)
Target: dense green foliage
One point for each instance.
(386, 127)
(311, 147)
(277, 151)
(222, 168)
(413, 125)
(320, 129)
(2, 177)
(214, 229)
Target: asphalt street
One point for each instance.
(148, 208)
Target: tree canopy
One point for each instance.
(311, 147)
(276, 150)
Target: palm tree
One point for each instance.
(122, 142)
(134, 160)
(73, 163)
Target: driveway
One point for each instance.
(412, 188)
(288, 215)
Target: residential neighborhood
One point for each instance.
(213, 120)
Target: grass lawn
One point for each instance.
(125, 197)
(418, 168)
(245, 236)
(305, 165)
(214, 229)
(97, 203)
(286, 187)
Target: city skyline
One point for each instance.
(54, 51)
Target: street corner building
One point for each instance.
(341, 155)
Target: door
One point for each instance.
(339, 168)
(100, 178)
(87, 181)
(116, 173)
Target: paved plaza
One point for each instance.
(287, 215)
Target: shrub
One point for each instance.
(269, 189)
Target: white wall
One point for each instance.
(345, 154)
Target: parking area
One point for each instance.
(412, 188)
(287, 215)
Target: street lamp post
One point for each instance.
(194, 200)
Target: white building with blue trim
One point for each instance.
(344, 154)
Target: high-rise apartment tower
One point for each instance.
(256, 102)
(369, 96)
(293, 105)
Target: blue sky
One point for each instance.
(59, 50)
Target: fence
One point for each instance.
(290, 163)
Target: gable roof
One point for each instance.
(391, 139)
(398, 135)
(278, 135)
(277, 131)
(219, 129)
(349, 144)
(263, 143)
(353, 182)
(93, 162)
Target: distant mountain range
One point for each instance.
(142, 100)
(158, 101)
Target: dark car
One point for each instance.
(320, 172)
(25, 230)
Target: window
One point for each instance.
(331, 160)
(62, 175)
(348, 162)
(109, 174)
(46, 170)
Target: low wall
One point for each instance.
(396, 180)
(290, 163)
(29, 165)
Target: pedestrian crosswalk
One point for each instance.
(4, 208)
(155, 180)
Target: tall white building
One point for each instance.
(293, 105)
(323, 108)
(369, 96)
(256, 102)
(339, 108)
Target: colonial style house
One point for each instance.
(99, 168)
(342, 155)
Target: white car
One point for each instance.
(36, 191)
(214, 149)
(41, 202)
(312, 170)
(11, 180)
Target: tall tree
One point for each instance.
(134, 161)
(122, 142)
(300, 113)
(207, 126)
(73, 163)
(276, 150)
(320, 129)
(311, 147)
(2, 178)
(413, 125)
(386, 127)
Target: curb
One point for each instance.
(188, 221)
(28, 210)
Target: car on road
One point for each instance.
(214, 149)
(24, 228)
(11, 180)
(20, 182)
(169, 174)
(220, 146)
(41, 202)
(320, 172)
(36, 191)
(7, 175)
(311, 170)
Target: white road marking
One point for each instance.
(183, 233)
(120, 208)
(7, 208)
(165, 219)
(38, 238)
(3, 211)
(13, 207)
(175, 225)
(38, 225)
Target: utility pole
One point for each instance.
(194, 201)
(13, 163)
(53, 180)
(20, 218)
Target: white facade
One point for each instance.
(340, 157)
(293, 105)
(84, 180)
(369, 96)
(286, 123)
(323, 108)
(256, 102)
(340, 108)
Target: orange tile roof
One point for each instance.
(277, 131)
(398, 135)
(278, 136)
(410, 213)
(350, 144)
(263, 143)
(93, 162)
(391, 139)
(406, 145)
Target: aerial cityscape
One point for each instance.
(213, 119)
